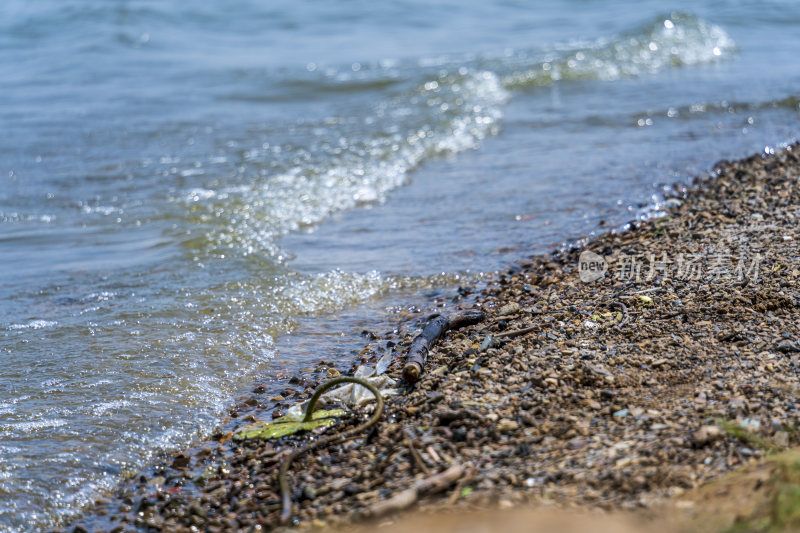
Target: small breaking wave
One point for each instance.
(674, 41)
(352, 161)
(429, 109)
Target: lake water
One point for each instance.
(194, 195)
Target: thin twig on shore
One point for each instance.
(454, 496)
(414, 453)
(514, 333)
(405, 499)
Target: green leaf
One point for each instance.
(288, 425)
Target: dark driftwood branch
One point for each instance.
(434, 329)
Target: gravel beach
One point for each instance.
(615, 376)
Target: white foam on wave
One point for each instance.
(304, 294)
(673, 41)
(34, 324)
(104, 407)
(351, 160)
(34, 425)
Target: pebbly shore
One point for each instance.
(616, 375)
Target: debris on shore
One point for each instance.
(621, 391)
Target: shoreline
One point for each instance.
(623, 392)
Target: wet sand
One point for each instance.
(626, 391)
